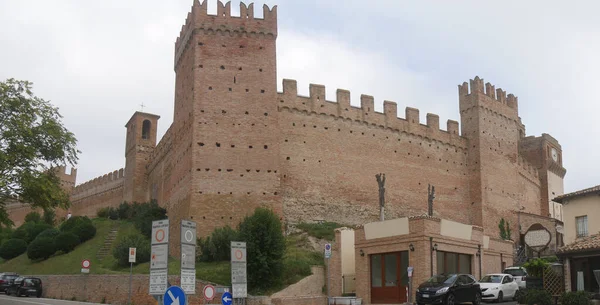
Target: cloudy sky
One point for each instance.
(98, 61)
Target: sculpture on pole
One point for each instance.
(381, 183)
(430, 197)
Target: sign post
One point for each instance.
(238, 270)
(159, 257)
(188, 256)
(327, 256)
(409, 297)
(131, 261)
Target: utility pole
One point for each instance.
(381, 183)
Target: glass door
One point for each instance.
(389, 277)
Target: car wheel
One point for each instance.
(500, 297)
(477, 300)
(450, 299)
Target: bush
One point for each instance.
(12, 248)
(535, 267)
(85, 231)
(103, 212)
(534, 297)
(49, 217)
(66, 242)
(124, 211)
(33, 217)
(324, 230)
(52, 233)
(265, 243)
(135, 240)
(29, 231)
(217, 246)
(5, 234)
(70, 224)
(147, 213)
(575, 298)
(41, 248)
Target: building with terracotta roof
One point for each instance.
(581, 255)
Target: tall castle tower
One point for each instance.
(490, 121)
(225, 96)
(139, 144)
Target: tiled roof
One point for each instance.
(591, 190)
(591, 242)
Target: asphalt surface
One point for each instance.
(12, 300)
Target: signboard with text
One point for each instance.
(238, 270)
(159, 257)
(188, 256)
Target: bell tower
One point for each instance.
(139, 144)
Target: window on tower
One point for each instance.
(146, 129)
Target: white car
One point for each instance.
(498, 287)
(519, 274)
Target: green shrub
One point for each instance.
(535, 267)
(125, 211)
(12, 248)
(5, 234)
(41, 248)
(49, 217)
(217, 246)
(103, 212)
(135, 240)
(66, 241)
(575, 298)
(29, 231)
(145, 214)
(265, 244)
(52, 233)
(70, 224)
(534, 297)
(85, 231)
(325, 230)
(33, 217)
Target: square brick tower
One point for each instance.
(225, 107)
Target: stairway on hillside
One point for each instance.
(108, 241)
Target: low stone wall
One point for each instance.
(310, 300)
(109, 289)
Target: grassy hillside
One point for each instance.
(297, 261)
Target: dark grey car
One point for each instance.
(6, 279)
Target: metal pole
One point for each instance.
(328, 300)
(130, 273)
(431, 254)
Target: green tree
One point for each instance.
(265, 247)
(33, 141)
(33, 217)
(49, 217)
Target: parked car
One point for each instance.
(519, 274)
(6, 279)
(29, 286)
(449, 290)
(498, 287)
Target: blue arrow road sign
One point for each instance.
(226, 298)
(174, 296)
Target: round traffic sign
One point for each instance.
(160, 235)
(238, 254)
(189, 236)
(85, 264)
(327, 247)
(209, 292)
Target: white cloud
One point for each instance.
(98, 61)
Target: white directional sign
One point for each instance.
(188, 256)
(159, 257)
(238, 269)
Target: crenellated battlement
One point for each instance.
(99, 183)
(528, 169)
(224, 22)
(317, 103)
(488, 96)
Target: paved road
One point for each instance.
(12, 300)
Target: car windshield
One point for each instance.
(491, 279)
(442, 279)
(515, 272)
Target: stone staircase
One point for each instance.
(110, 239)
